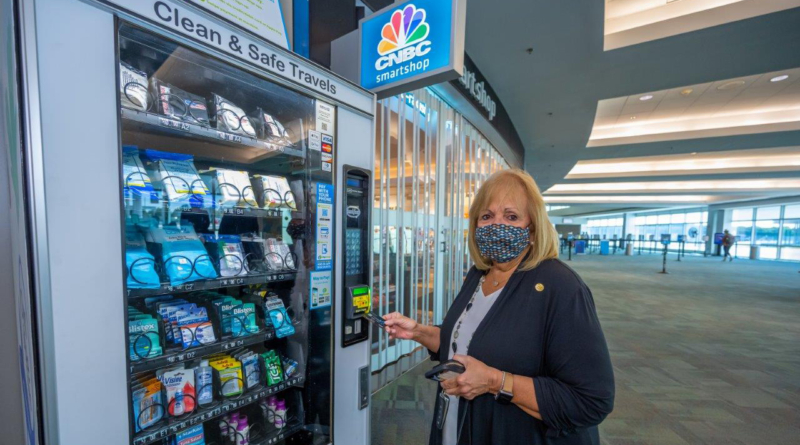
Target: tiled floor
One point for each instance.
(708, 354)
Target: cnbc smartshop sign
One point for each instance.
(412, 44)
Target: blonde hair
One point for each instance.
(543, 235)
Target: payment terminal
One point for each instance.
(357, 256)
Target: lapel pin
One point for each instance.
(539, 287)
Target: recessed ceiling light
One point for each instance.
(633, 117)
(694, 153)
(650, 96)
(779, 78)
(731, 85)
(686, 91)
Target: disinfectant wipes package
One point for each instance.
(140, 263)
(230, 252)
(179, 178)
(184, 256)
(133, 87)
(233, 188)
(136, 182)
(232, 118)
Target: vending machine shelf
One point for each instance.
(214, 284)
(173, 426)
(202, 351)
(248, 149)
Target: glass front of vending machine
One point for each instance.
(228, 226)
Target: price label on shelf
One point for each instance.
(229, 137)
(183, 126)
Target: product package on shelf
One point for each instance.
(278, 317)
(175, 103)
(230, 374)
(180, 392)
(178, 178)
(275, 192)
(250, 368)
(271, 130)
(231, 118)
(235, 429)
(255, 249)
(143, 339)
(274, 367)
(185, 323)
(139, 262)
(237, 318)
(136, 182)
(230, 252)
(232, 188)
(279, 248)
(148, 406)
(133, 92)
(190, 436)
(184, 256)
(275, 411)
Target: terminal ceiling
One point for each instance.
(633, 104)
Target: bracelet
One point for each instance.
(503, 383)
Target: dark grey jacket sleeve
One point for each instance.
(577, 390)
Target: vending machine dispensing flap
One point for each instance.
(357, 255)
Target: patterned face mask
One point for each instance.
(501, 243)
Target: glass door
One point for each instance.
(227, 343)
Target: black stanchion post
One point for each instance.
(664, 262)
(570, 250)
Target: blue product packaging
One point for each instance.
(278, 317)
(194, 327)
(243, 320)
(184, 256)
(191, 436)
(140, 263)
(179, 178)
(136, 181)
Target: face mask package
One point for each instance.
(147, 403)
(190, 436)
(278, 247)
(143, 339)
(140, 263)
(271, 130)
(178, 104)
(231, 118)
(233, 188)
(133, 88)
(278, 317)
(136, 181)
(275, 192)
(179, 178)
(180, 391)
(230, 252)
(184, 256)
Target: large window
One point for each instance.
(775, 229)
(604, 228)
(429, 163)
(688, 224)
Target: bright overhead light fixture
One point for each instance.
(779, 78)
(731, 85)
(646, 97)
(686, 91)
(660, 186)
(645, 199)
(754, 160)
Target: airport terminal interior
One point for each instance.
(261, 185)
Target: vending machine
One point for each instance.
(196, 204)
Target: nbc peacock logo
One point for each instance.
(406, 28)
(404, 38)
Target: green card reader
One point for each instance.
(357, 264)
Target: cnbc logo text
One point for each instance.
(403, 40)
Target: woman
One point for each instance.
(525, 327)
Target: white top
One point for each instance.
(480, 307)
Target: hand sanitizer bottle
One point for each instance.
(280, 414)
(242, 432)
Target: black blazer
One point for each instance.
(552, 335)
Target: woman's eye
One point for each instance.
(512, 217)
(485, 217)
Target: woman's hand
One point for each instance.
(478, 379)
(399, 326)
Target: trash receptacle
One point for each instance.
(755, 252)
(629, 249)
(580, 246)
(604, 250)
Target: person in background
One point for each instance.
(727, 243)
(525, 327)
